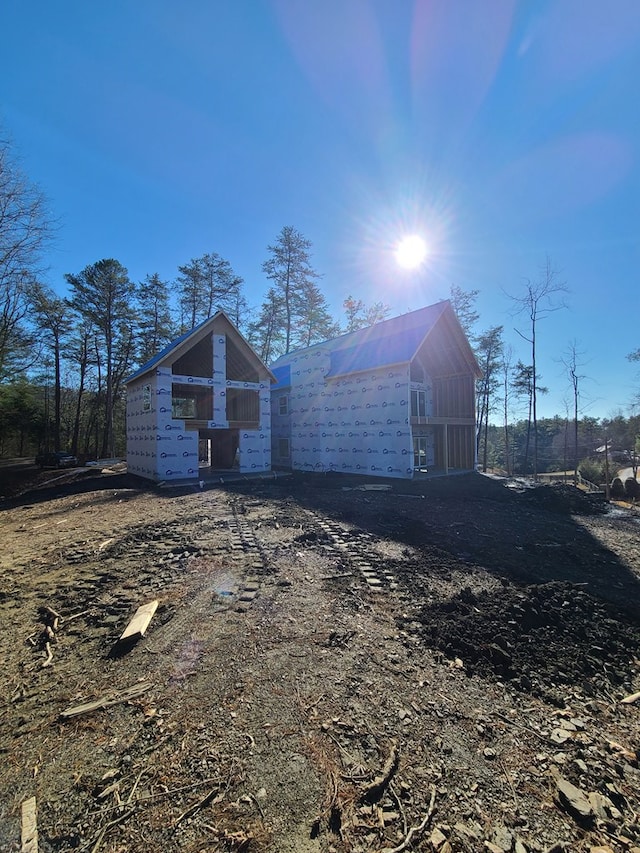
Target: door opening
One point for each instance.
(420, 453)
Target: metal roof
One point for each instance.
(392, 341)
(283, 376)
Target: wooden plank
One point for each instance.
(140, 622)
(29, 826)
(105, 701)
(629, 700)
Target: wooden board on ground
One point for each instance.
(140, 622)
(29, 826)
(105, 701)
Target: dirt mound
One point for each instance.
(539, 637)
(566, 500)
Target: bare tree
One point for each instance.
(571, 362)
(540, 299)
(506, 367)
(635, 356)
(25, 230)
(523, 386)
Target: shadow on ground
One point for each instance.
(561, 611)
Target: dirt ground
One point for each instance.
(437, 666)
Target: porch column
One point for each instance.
(445, 447)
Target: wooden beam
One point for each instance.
(29, 826)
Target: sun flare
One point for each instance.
(411, 251)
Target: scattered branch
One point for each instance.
(415, 830)
(374, 790)
(214, 796)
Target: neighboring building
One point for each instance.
(396, 399)
(202, 403)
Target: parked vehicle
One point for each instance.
(56, 459)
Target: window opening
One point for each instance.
(419, 403)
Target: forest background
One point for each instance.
(64, 359)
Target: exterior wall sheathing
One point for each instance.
(359, 423)
(163, 448)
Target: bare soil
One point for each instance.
(428, 667)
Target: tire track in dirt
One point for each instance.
(355, 546)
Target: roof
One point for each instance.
(394, 341)
(391, 342)
(182, 339)
(283, 375)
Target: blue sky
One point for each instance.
(503, 132)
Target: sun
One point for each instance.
(411, 251)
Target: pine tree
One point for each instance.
(156, 328)
(315, 323)
(359, 315)
(290, 271)
(103, 294)
(266, 333)
(206, 285)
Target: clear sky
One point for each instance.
(503, 132)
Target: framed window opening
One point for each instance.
(283, 448)
(191, 402)
(418, 403)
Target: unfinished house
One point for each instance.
(396, 399)
(203, 404)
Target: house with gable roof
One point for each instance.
(204, 402)
(396, 399)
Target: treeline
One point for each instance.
(604, 446)
(64, 359)
(62, 379)
(509, 386)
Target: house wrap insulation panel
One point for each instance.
(356, 423)
(158, 447)
(163, 448)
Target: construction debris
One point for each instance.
(29, 826)
(106, 701)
